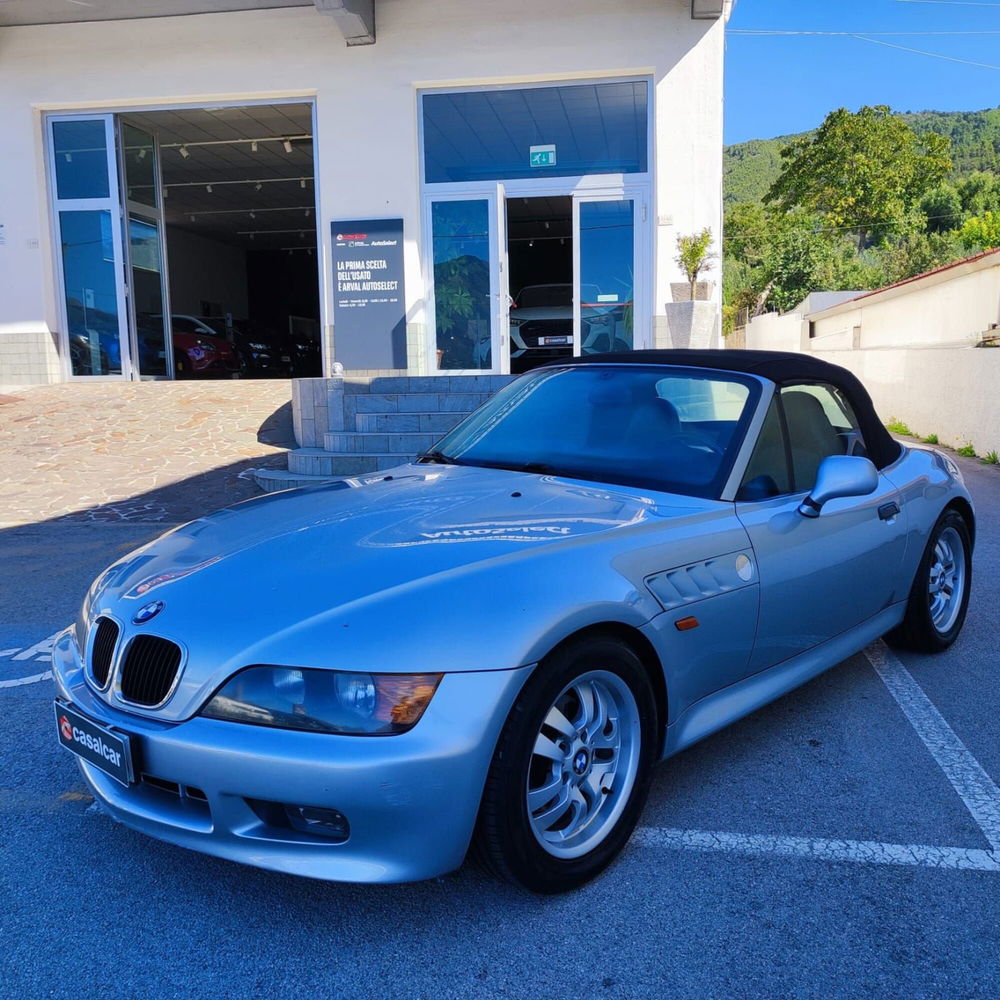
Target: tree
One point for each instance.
(942, 208)
(981, 232)
(864, 172)
(979, 193)
(915, 254)
(694, 255)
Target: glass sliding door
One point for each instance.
(604, 275)
(149, 310)
(468, 302)
(90, 246)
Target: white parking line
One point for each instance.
(818, 849)
(39, 652)
(974, 786)
(33, 679)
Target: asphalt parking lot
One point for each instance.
(842, 842)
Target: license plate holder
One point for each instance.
(108, 749)
(553, 341)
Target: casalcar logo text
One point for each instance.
(95, 743)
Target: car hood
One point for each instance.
(316, 576)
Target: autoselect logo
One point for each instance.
(72, 734)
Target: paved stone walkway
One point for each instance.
(141, 451)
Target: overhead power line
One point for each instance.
(955, 3)
(870, 36)
(852, 34)
(924, 52)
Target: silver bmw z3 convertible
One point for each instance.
(490, 647)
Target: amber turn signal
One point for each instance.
(684, 624)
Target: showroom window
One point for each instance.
(559, 131)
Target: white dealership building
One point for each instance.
(389, 180)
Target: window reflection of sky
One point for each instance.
(487, 135)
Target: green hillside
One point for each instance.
(751, 167)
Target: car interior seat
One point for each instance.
(811, 435)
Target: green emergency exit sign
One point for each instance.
(542, 156)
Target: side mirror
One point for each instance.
(840, 476)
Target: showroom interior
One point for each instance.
(221, 238)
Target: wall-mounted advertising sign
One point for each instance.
(369, 300)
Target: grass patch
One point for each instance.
(895, 426)
(991, 458)
(931, 439)
(966, 451)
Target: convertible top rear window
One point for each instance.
(671, 429)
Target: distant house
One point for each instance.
(914, 344)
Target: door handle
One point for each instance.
(888, 511)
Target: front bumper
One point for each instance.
(411, 800)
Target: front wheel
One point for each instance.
(571, 769)
(939, 597)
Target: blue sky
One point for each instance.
(776, 84)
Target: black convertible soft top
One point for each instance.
(781, 367)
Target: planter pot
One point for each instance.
(680, 291)
(691, 324)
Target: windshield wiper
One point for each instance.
(438, 457)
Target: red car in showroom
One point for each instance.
(199, 352)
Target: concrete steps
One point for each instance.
(386, 426)
(407, 423)
(335, 465)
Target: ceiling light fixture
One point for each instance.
(302, 183)
(287, 145)
(192, 218)
(184, 152)
(257, 186)
(253, 146)
(69, 157)
(308, 212)
(253, 215)
(142, 153)
(208, 188)
(165, 191)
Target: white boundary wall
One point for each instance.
(952, 392)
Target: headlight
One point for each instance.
(324, 701)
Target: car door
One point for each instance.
(818, 576)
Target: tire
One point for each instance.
(935, 614)
(574, 828)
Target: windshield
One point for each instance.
(655, 427)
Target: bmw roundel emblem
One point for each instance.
(147, 613)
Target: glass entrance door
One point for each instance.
(87, 219)
(470, 301)
(149, 310)
(107, 199)
(604, 275)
